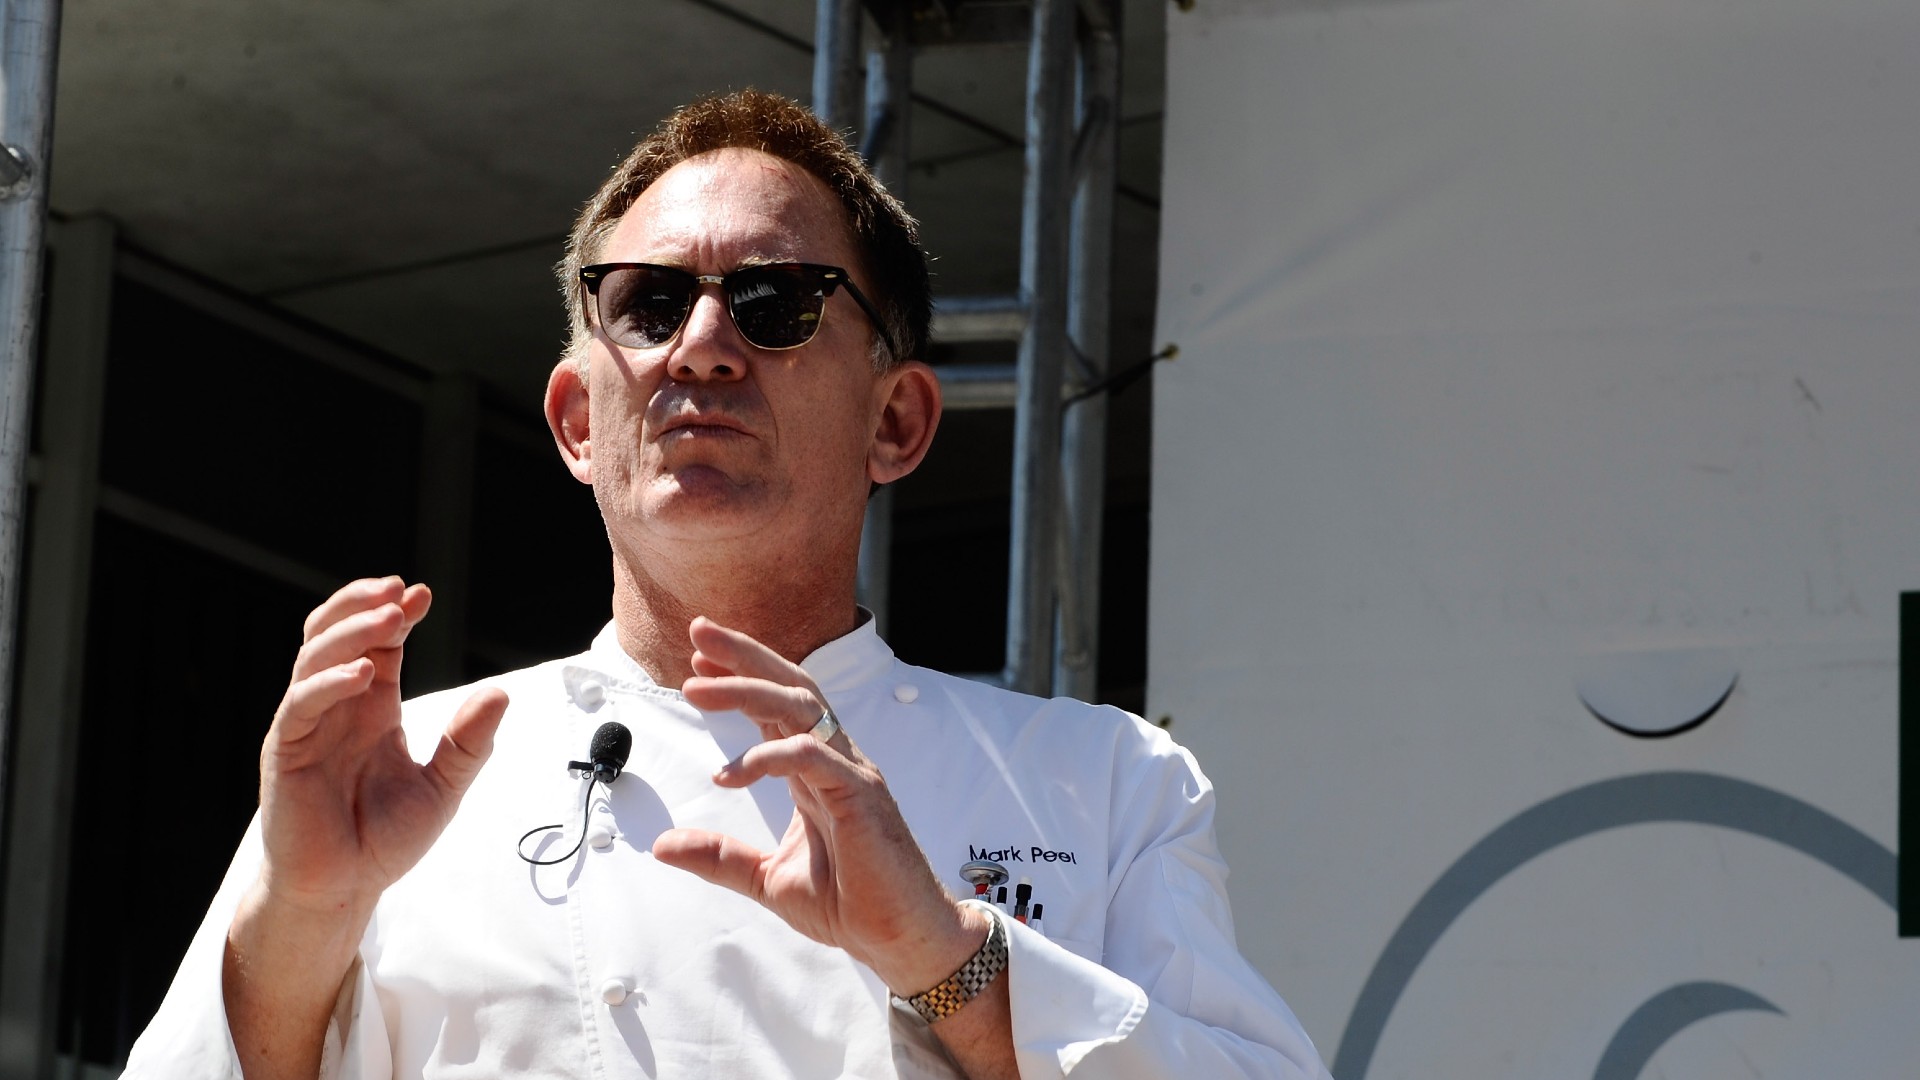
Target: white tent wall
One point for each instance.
(1522, 342)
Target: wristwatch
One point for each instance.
(965, 984)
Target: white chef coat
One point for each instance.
(612, 965)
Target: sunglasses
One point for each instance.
(775, 306)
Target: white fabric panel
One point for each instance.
(1513, 335)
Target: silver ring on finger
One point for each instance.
(826, 727)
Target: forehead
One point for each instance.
(729, 207)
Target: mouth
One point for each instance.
(701, 425)
(681, 413)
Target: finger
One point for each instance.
(741, 654)
(714, 857)
(467, 742)
(308, 698)
(386, 665)
(352, 597)
(383, 627)
(800, 757)
(707, 665)
(414, 604)
(779, 710)
(415, 601)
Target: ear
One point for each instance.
(567, 415)
(908, 411)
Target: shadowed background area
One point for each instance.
(321, 237)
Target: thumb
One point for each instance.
(717, 858)
(467, 742)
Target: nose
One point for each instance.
(709, 347)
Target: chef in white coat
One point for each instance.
(772, 887)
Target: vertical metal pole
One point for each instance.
(443, 531)
(1084, 434)
(889, 93)
(29, 41)
(46, 734)
(1044, 265)
(836, 62)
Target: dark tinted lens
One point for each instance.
(776, 307)
(642, 306)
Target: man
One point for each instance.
(762, 888)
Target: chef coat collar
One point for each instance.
(841, 664)
(851, 659)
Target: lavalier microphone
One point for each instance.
(607, 754)
(606, 757)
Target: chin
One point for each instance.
(706, 513)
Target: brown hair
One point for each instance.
(883, 232)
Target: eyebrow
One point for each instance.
(766, 260)
(747, 263)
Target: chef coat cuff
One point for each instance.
(1063, 1005)
(189, 1037)
(347, 1033)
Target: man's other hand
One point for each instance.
(847, 872)
(344, 811)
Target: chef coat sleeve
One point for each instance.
(1172, 996)
(188, 1039)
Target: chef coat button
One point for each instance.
(615, 990)
(601, 837)
(906, 693)
(591, 694)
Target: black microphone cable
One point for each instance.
(607, 755)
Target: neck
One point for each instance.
(791, 608)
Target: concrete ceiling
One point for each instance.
(404, 172)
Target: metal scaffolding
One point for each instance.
(35, 801)
(29, 36)
(1059, 317)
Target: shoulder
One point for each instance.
(1058, 726)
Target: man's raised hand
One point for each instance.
(848, 871)
(345, 810)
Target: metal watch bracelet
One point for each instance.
(965, 984)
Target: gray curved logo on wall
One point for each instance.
(1662, 1017)
(1700, 798)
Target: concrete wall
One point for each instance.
(1526, 349)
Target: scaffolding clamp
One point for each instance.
(16, 172)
